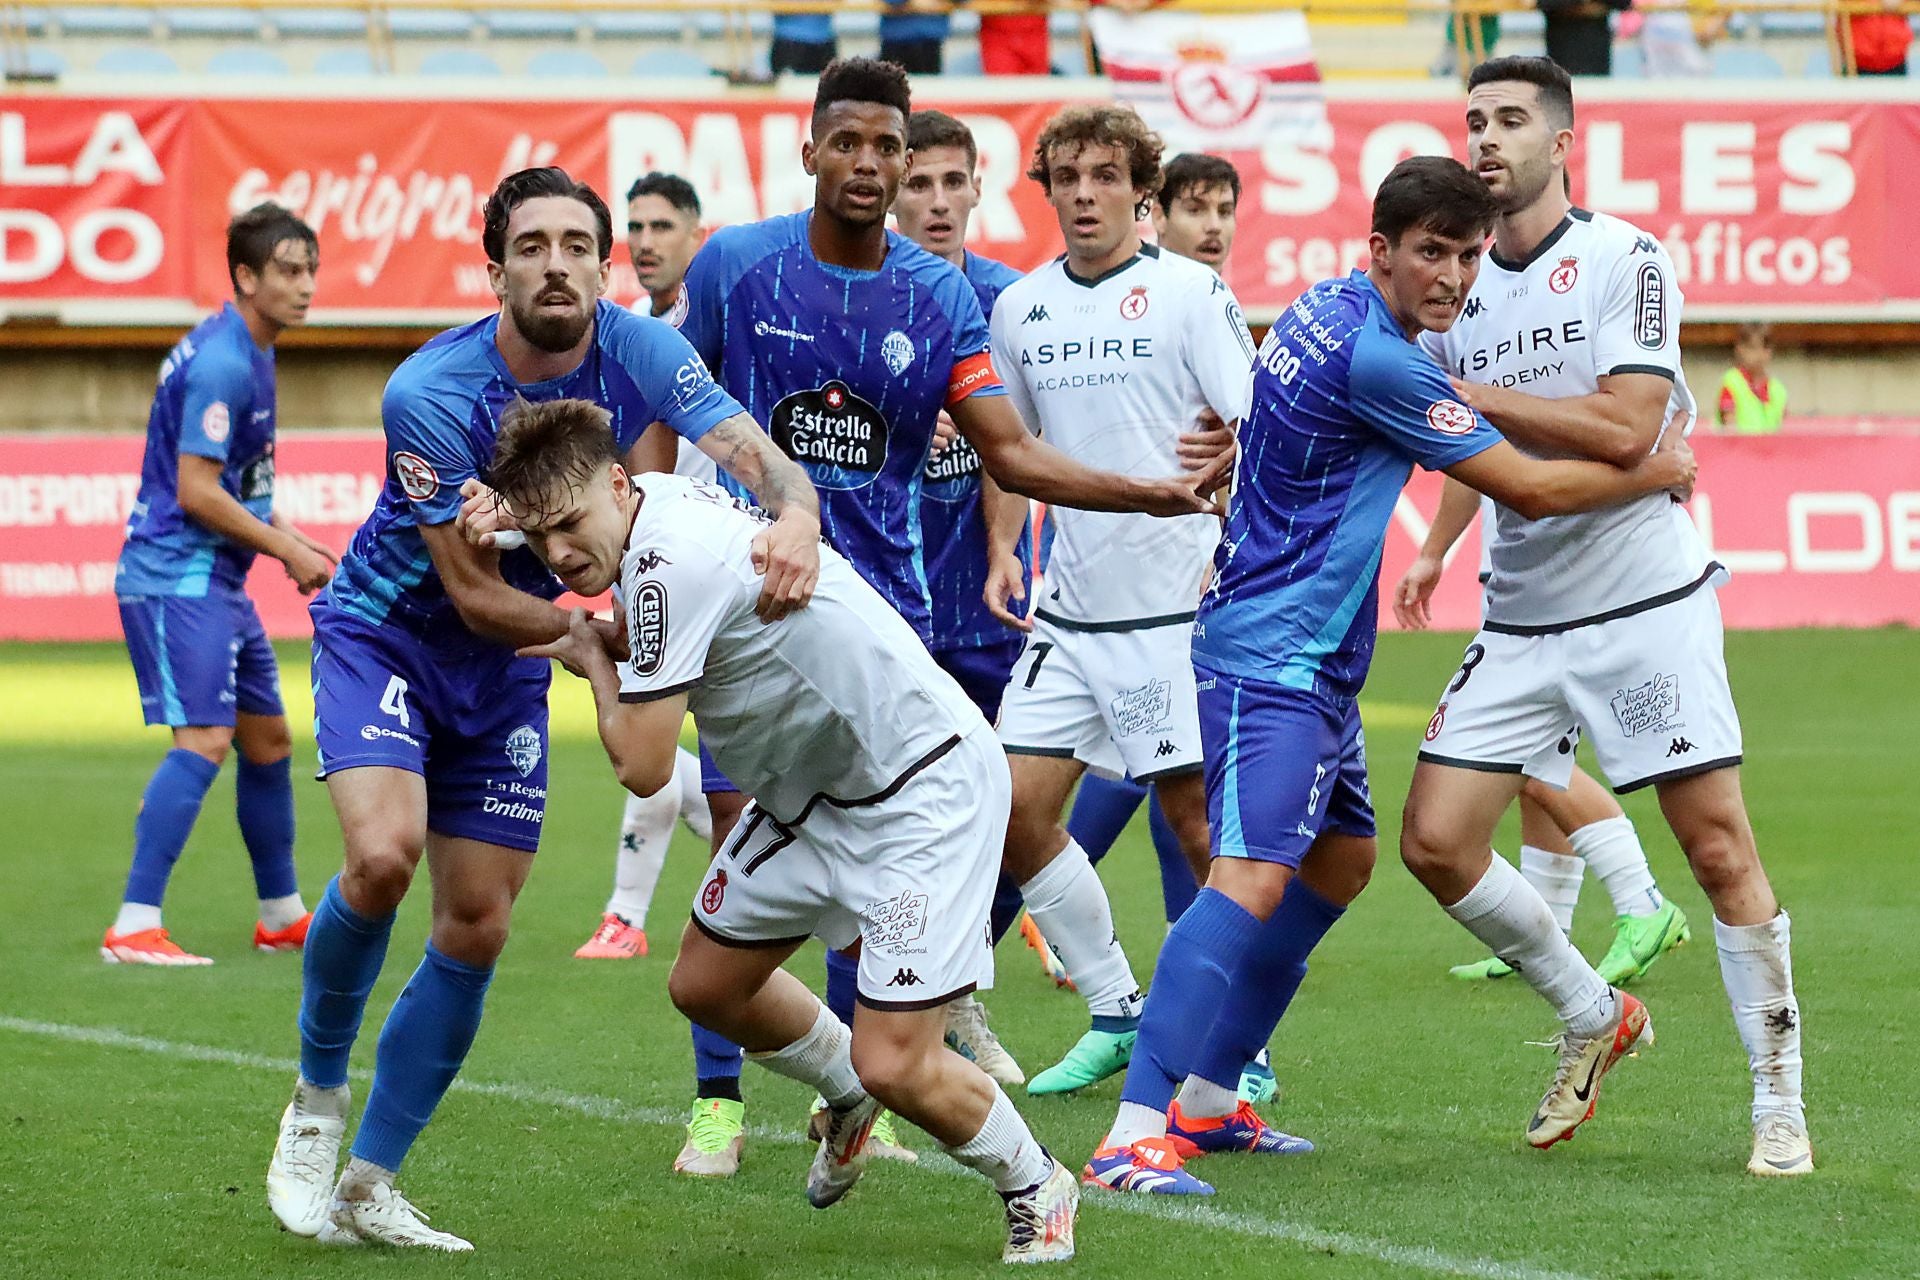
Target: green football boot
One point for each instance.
(1094, 1057)
(1640, 940)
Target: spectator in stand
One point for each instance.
(1015, 44)
(1580, 34)
(803, 43)
(913, 33)
(1880, 41)
(1752, 401)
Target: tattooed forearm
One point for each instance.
(747, 454)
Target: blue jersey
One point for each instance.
(1343, 406)
(848, 370)
(953, 527)
(441, 412)
(215, 400)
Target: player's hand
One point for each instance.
(1187, 495)
(310, 568)
(1673, 460)
(1004, 574)
(579, 650)
(787, 554)
(1210, 439)
(944, 433)
(1413, 597)
(483, 517)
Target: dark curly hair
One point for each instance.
(1102, 125)
(863, 80)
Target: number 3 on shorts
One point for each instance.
(394, 701)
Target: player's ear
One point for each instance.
(246, 281)
(497, 280)
(1379, 249)
(807, 157)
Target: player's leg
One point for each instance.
(1178, 884)
(716, 1128)
(1102, 808)
(646, 829)
(263, 789)
(1548, 863)
(1646, 926)
(183, 663)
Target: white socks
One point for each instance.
(278, 913)
(136, 917)
(646, 829)
(311, 1100)
(1556, 878)
(1134, 1122)
(1756, 963)
(1613, 853)
(693, 801)
(1203, 1099)
(1069, 904)
(1511, 918)
(1005, 1150)
(822, 1058)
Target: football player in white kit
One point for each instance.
(880, 798)
(663, 234)
(1111, 352)
(1605, 624)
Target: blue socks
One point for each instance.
(421, 1048)
(1190, 983)
(263, 801)
(1265, 984)
(843, 985)
(341, 960)
(1177, 888)
(168, 809)
(1101, 810)
(1006, 908)
(716, 1065)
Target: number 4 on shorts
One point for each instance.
(394, 701)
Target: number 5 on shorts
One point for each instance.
(394, 701)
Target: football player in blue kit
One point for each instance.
(200, 655)
(1345, 403)
(848, 340)
(432, 734)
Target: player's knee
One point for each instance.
(692, 993)
(1427, 847)
(266, 743)
(1720, 851)
(1034, 838)
(209, 742)
(473, 929)
(377, 875)
(888, 1069)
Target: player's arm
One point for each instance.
(1412, 597)
(1020, 463)
(657, 449)
(642, 738)
(489, 607)
(1617, 424)
(1007, 516)
(1536, 489)
(787, 552)
(208, 504)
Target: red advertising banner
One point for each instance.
(1780, 206)
(1820, 531)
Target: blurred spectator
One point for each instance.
(1752, 401)
(1674, 42)
(913, 33)
(803, 43)
(1486, 26)
(1880, 41)
(1580, 35)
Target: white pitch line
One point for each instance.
(1166, 1209)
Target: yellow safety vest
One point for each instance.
(1753, 416)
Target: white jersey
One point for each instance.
(838, 700)
(690, 461)
(1597, 297)
(1111, 371)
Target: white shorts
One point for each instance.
(1120, 702)
(911, 874)
(1649, 690)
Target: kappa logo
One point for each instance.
(1450, 417)
(418, 480)
(1134, 305)
(1679, 747)
(897, 350)
(906, 978)
(1036, 315)
(647, 628)
(1644, 244)
(715, 892)
(1564, 276)
(649, 560)
(216, 422)
(1166, 748)
(523, 748)
(1473, 308)
(1650, 308)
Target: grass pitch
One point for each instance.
(140, 1105)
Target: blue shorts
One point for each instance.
(199, 659)
(474, 727)
(1282, 767)
(982, 671)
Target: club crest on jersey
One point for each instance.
(838, 436)
(647, 628)
(216, 422)
(715, 893)
(1450, 417)
(1134, 305)
(1650, 308)
(1565, 275)
(418, 480)
(523, 748)
(897, 350)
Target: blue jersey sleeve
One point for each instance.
(1397, 389)
(664, 365)
(218, 394)
(429, 450)
(973, 373)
